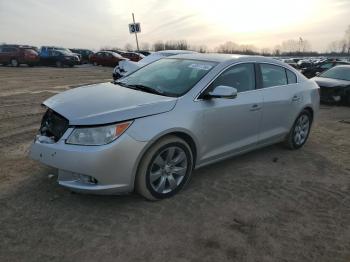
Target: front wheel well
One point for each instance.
(311, 111)
(189, 140)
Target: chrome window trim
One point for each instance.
(247, 62)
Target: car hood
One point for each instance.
(329, 82)
(107, 103)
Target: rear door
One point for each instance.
(282, 101)
(231, 125)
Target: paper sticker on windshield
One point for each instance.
(200, 66)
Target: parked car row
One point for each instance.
(15, 55)
(310, 67)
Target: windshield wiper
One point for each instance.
(120, 83)
(147, 89)
(144, 88)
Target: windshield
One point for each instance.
(64, 53)
(341, 73)
(64, 50)
(171, 77)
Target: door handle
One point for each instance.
(255, 107)
(295, 98)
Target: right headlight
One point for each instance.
(94, 136)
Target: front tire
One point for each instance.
(164, 169)
(59, 64)
(14, 63)
(300, 131)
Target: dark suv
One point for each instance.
(59, 58)
(84, 53)
(18, 54)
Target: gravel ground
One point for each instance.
(269, 205)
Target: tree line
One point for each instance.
(291, 47)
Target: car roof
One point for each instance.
(175, 52)
(220, 58)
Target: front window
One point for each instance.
(241, 77)
(169, 77)
(341, 73)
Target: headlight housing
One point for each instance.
(95, 136)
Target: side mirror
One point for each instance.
(222, 92)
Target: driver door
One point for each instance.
(231, 126)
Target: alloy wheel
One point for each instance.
(301, 129)
(168, 169)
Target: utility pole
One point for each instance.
(300, 44)
(137, 41)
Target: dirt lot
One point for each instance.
(269, 205)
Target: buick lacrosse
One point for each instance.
(149, 130)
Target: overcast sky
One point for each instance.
(97, 23)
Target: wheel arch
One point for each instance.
(310, 110)
(178, 133)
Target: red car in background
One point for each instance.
(17, 54)
(132, 56)
(106, 58)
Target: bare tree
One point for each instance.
(233, 48)
(338, 46)
(202, 49)
(228, 48)
(265, 51)
(158, 46)
(176, 45)
(277, 50)
(290, 46)
(128, 47)
(145, 46)
(341, 46)
(347, 39)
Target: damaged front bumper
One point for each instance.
(107, 169)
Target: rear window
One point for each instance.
(9, 49)
(30, 51)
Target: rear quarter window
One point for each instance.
(291, 77)
(273, 75)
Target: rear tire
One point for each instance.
(164, 169)
(300, 131)
(59, 64)
(95, 64)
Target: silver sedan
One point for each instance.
(149, 130)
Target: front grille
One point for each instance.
(53, 125)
